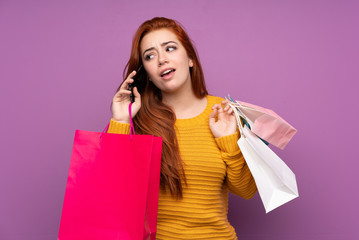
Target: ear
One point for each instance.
(190, 63)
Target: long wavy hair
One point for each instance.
(156, 118)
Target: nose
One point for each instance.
(162, 58)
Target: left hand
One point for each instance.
(226, 123)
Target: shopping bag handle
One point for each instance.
(132, 128)
(238, 115)
(236, 106)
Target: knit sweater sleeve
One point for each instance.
(239, 178)
(117, 127)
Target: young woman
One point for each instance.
(201, 160)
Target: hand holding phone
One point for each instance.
(122, 98)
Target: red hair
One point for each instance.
(156, 118)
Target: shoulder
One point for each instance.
(214, 99)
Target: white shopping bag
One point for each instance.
(275, 181)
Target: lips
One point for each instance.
(167, 72)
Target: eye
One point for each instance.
(171, 48)
(148, 57)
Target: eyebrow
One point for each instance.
(162, 44)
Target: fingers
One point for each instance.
(224, 102)
(128, 80)
(122, 93)
(124, 89)
(213, 113)
(228, 109)
(218, 109)
(137, 94)
(212, 116)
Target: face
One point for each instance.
(166, 62)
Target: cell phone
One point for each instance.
(132, 85)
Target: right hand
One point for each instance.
(121, 101)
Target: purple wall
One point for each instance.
(61, 61)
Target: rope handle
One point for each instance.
(132, 128)
(238, 117)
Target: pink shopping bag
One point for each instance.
(112, 187)
(266, 124)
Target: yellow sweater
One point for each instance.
(212, 167)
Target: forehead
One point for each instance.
(156, 38)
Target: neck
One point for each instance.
(186, 105)
(178, 101)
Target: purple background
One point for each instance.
(61, 61)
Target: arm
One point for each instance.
(239, 179)
(117, 127)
